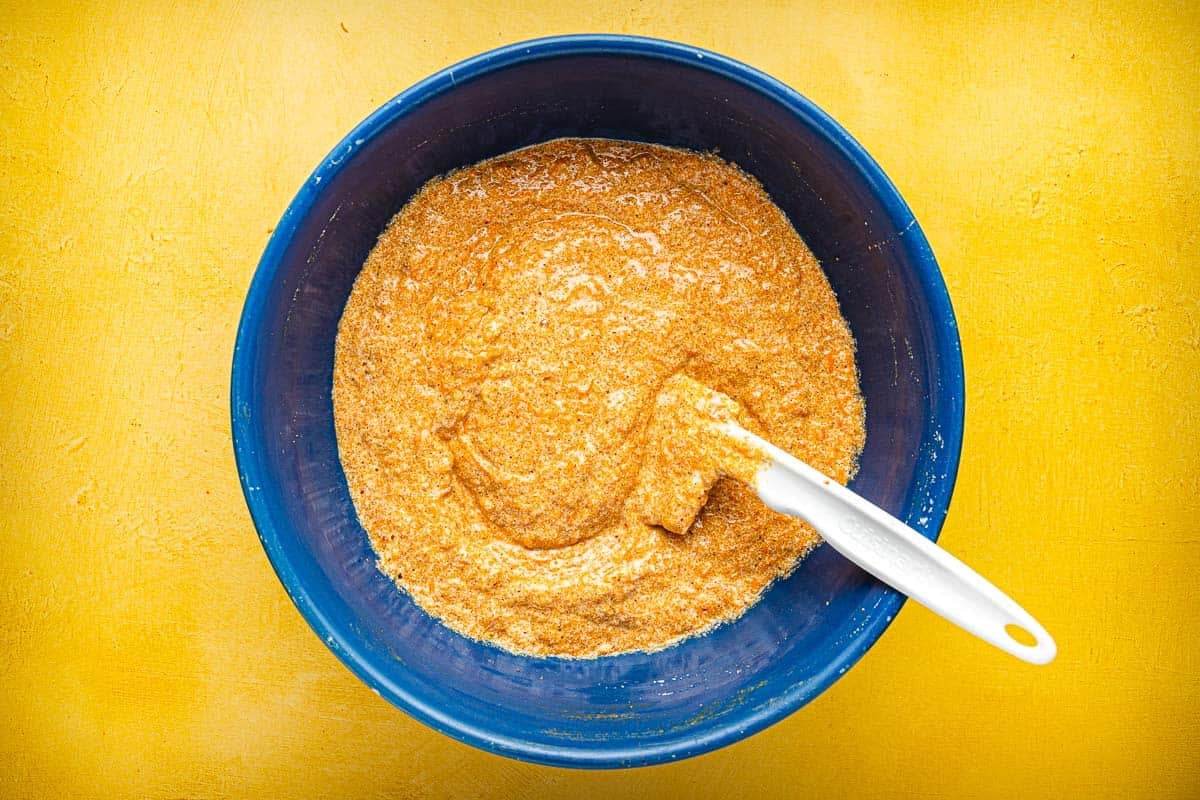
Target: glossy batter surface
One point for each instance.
(508, 368)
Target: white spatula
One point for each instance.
(895, 553)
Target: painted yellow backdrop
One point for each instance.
(1052, 154)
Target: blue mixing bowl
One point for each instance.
(639, 708)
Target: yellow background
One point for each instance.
(1052, 155)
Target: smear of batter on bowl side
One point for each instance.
(521, 385)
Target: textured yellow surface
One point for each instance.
(1052, 154)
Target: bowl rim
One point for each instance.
(948, 420)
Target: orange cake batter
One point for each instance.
(521, 383)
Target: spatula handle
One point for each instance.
(896, 554)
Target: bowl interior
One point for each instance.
(638, 708)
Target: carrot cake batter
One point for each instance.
(518, 375)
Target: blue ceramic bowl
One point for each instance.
(619, 710)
